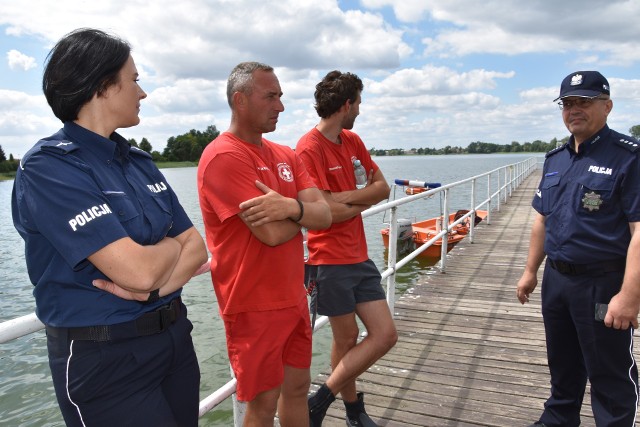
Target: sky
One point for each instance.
(435, 73)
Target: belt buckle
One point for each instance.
(570, 269)
(165, 318)
(168, 315)
(564, 267)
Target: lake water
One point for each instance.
(25, 385)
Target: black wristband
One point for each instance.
(301, 212)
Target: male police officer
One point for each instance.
(588, 205)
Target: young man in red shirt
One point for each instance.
(348, 281)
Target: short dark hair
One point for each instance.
(84, 62)
(241, 78)
(334, 90)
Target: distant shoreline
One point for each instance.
(169, 165)
(161, 165)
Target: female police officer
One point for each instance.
(108, 248)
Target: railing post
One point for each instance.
(499, 192)
(391, 258)
(510, 180)
(239, 408)
(489, 199)
(505, 188)
(472, 218)
(445, 226)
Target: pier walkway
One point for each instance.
(468, 354)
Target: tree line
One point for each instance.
(188, 147)
(477, 147)
(9, 165)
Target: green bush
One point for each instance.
(9, 166)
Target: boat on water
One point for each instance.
(414, 234)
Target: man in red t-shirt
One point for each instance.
(255, 195)
(348, 282)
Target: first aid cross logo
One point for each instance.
(284, 171)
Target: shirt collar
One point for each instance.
(107, 149)
(589, 143)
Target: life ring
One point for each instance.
(415, 190)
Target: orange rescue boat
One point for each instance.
(412, 235)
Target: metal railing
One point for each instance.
(507, 178)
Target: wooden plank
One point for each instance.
(468, 354)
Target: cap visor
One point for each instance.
(579, 93)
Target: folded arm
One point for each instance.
(270, 217)
(348, 204)
(376, 190)
(135, 270)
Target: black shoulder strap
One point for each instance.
(61, 146)
(630, 144)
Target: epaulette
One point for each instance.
(555, 150)
(62, 146)
(138, 151)
(629, 143)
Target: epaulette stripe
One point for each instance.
(62, 145)
(140, 152)
(629, 145)
(554, 151)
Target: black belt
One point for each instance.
(147, 324)
(593, 268)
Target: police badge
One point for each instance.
(591, 201)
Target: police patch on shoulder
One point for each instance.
(555, 150)
(63, 146)
(630, 144)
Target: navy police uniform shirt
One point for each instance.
(76, 192)
(589, 198)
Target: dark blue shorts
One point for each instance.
(150, 380)
(342, 286)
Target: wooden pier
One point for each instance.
(468, 354)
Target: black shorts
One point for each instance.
(342, 286)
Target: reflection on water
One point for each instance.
(27, 393)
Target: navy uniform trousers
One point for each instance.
(580, 348)
(138, 382)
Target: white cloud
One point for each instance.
(24, 119)
(17, 60)
(507, 27)
(189, 96)
(435, 80)
(206, 38)
(436, 72)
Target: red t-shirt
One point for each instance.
(331, 168)
(247, 274)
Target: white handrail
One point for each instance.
(24, 325)
(19, 327)
(525, 168)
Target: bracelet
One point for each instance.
(301, 212)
